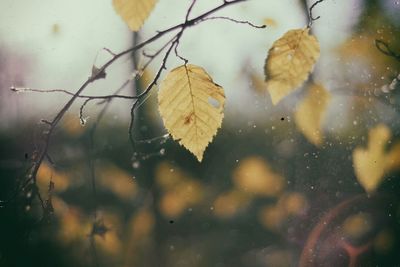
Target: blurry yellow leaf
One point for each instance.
(174, 202)
(384, 241)
(74, 225)
(270, 22)
(55, 28)
(310, 113)
(168, 175)
(172, 205)
(253, 175)
(142, 224)
(138, 238)
(289, 204)
(393, 158)
(289, 63)
(359, 53)
(372, 163)
(356, 226)
(46, 174)
(117, 181)
(277, 257)
(272, 217)
(72, 126)
(191, 106)
(293, 203)
(230, 203)
(134, 12)
(106, 236)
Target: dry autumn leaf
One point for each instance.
(191, 106)
(372, 163)
(310, 113)
(290, 61)
(134, 12)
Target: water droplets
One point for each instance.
(162, 151)
(136, 164)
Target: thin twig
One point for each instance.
(147, 90)
(93, 97)
(235, 21)
(310, 13)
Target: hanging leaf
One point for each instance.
(134, 12)
(310, 113)
(191, 106)
(372, 163)
(289, 63)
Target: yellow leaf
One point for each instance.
(289, 62)
(134, 12)
(310, 113)
(372, 163)
(191, 106)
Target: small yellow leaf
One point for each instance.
(290, 61)
(191, 106)
(134, 12)
(310, 113)
(372, 163)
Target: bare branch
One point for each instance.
(235, 21)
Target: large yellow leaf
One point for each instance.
(372, 163)
(310, 113)
(289, 63)
(134, 12)
(191, 106)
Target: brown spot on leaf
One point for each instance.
(189, 118)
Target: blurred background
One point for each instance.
(266, 194)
